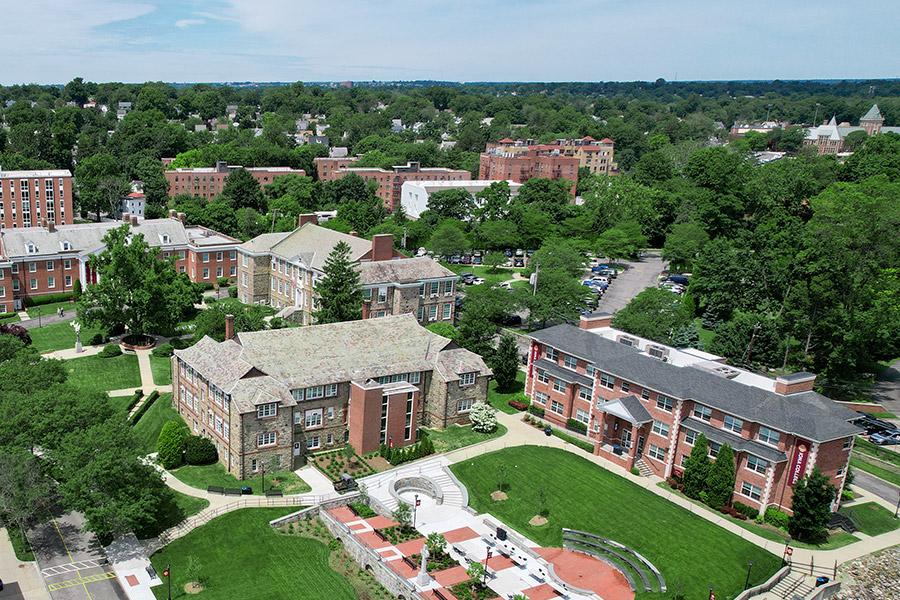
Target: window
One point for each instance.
(32, 267)
(464, 405)
(624, 386)
(751, 491)
(768, 436)
(704, 413)
(422, 291)
(314, 392)
(206, 257)
(312, 418)
(382, 294)
(645, 394)
(420, 313)
(582, 416)
(754, 463)
(264, 411)
(432, 312)
(312, 442)
(714, 448)
(657, 453)
(330, 390)
(448, 309)
(466, 379)
(415, 377)
(590, 370)
(607, 381)
(50, 265)
(690, 437)
(219, 256)
(448, 288)
(33, 283)
(329, 412)
(67, 264)
(267, 438)
(733, 424)
(51, 282)
(557, 407)
(664, 403)
(570, 362)
(367, 293)
(542, 376)
(435, 286)
(661, 428)
(254, 465)
(584, 393)
(541, 398)
(298, 395)
(559, 386)
(2, 291)
(552, 354)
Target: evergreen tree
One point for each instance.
(696, 468)
(241, 190)
(720, 481)
(505, 363)
(340, 295)
(811, 504)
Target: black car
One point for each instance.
(679, 279)
(871, 424)
(511, 320)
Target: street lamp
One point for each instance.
(484, 573)
(415, 506)
(897, 509)
(747, 581)
(262, 474)
(167, 573)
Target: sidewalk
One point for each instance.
(16, 573)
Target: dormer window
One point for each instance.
(164, 238)
(30, 248)
(66, 245)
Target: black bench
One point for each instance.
(232, 491)
(215, 489)
(274, 494)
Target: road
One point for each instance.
(887, 388)
(632, 281)
(876, 486)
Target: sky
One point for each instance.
(52, 41)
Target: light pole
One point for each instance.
(262, 474)
(747, 581)
(897, 509)
(415, 506)
(168, 575)
(484, 573)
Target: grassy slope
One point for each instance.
(690, 551)
(872, 518)
(162, 370)
(456, 436)
(242, 557)
(202, 476)
(500, 400)
(876, 470)
(146, 431)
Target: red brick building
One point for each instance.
(29, 198)
(644, 404)
(37, 261)
(519, 162)
(208, 182)
(389, 182)
(268, 399)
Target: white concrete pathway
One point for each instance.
(15, 572)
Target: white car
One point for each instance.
(478, 281)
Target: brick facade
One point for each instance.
(209, 182)
(33, 198)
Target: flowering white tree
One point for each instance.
(483, 417)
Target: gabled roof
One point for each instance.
(807, 414)
(402, 270)
(873, 115)
(628, 408)
(312, 244)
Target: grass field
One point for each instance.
(500, 400)
(882, 472)
(202, 476)
(242, 557)
(146, 431)
(96, 374)
(49, 309)
(457, 436)
(162, 370)
(59, 336)
(864, 446)
(872, 518)
(691, 553)
(485, 272)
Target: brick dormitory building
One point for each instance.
(644, 404)
(38, 261)
(282, 269)
(269, 398)
(209, 182)
(29, 198)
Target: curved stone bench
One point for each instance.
(419, 484)
(602, 543)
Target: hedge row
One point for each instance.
(138, 394)
(144, 407)
(48, 299)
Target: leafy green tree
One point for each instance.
(854, 140)
(620, 242)
(558, 296)
(683, 245)
(443, 329)
(655, 313)
(363, 215)
(27, 491)
(292, 195)
(77, 91)
(811, 504)
(339, 291)
(720, 480)
(403, 514)
(653, 167)
(436, 543)
(551, 196)
(241, 190)
(497, 235)
(494, 260)
(749, 339)
(505, 363)
(718, 169)
(136, 289)
(696, 468)
(448, 239)
(558, 255)
(454, 203)
(493, 202)
(150, 172)
(94, 175)
(170, 444)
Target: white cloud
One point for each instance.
(185, 23)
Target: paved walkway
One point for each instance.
(21, 579)
(29, 322)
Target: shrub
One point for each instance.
(97, 339)
(364, 511)
(16, 331)
(76, 289)
(574, 425)
(203, 286)
(164, 351)
(518, 405)
(731, 511)
(777, 518)
(635, 471)
(210, 300)
(110, 351)
(144, 407)
(483, 417)
(170, 444)
(138, 394)
(48, 299)
(536, 410)
(199, 451)
(745, 510)
(222, 281)
(179, 343)
(232, 292)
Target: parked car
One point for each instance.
(518, 262)
(477, 259)
(679, 279)
(466, 259)
(511, 320)
(600, 279)
(478, 281)
(505, 285)
(871, 424)
(886, 438)
(421, 252)
(467, 278)
(454, 260)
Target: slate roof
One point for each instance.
(312, 244)
(809, 415)
(872, 115)
(87, 237)
(263, 242)
(402, 270)
(738, 443)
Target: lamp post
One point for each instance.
(484, 573)
(415, 506)
(262, 474)
(747, 581)
(168, 574)
(897, 509)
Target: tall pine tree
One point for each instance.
(811, 504)
(696, 468)
(720, 481)
(505, 363)
(339, 291)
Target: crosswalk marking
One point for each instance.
(60, 585)
(70, 567)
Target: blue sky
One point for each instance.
(52, 41)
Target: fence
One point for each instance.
(765, 586)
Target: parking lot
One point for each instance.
(71, 561)
(638, 276)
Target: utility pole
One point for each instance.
(535, 276)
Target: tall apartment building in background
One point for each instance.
(36, 261)
(828, 138)
(521, 160)
(643, 405)
(390, 182)
(208, 182)
(268, 399)
(31, 198)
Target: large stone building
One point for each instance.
(37, 261)
(282, 269)
(209, 182)
(32, 198)
(390, 182)
(644, 404)
(828, 138)
(267, 399)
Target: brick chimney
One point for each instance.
(51, 226)
(229, 327)
(382, 246)
(126, 217)
(308, 218)
(181, 217)
(595, 321)
(795, 383)
(134, 220)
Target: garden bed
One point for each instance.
(436, 562)
(334, 463)
(399, 533)
(465, 591)
(130, 343)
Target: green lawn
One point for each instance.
(485, 272)
(864, 446)
(13, 318)
(457, 436)
(59, 336)
(706, 335)
(49, 309)
(21, 547)
(146, 431)
(500, 400)
(882, 472)
(202, 476)
(162, 370)
(240, 556)
(96, 374)
(183, 507)
(691, 553)
(872, 518)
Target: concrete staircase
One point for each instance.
(642, 468)
(435, 469)
(795, 585)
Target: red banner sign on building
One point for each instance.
(798, 463)
(535, 352)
